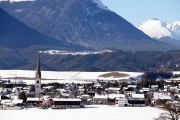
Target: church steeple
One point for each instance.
(38, 69)
(38, 79)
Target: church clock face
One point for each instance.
(37, 86)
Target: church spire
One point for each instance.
(38, 79)
(38, 69)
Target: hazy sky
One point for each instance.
(138, 11)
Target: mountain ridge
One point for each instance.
(82, 22)
(15, 34)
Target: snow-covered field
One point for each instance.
(93, 112)
(65, 76)
(62, 77)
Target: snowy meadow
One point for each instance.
(28, 76)
(91, 112)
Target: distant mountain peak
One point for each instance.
(155, 28)
(158, 29)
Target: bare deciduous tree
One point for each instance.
(172, 112)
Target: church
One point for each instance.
(35, 90)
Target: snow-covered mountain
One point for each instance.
(82, 22)
(158, 29)
(175, 29)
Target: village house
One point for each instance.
(66, 103)
(128, 92)
(123, 102)
(101, 99)
(32, 102)
(160, 98)
(112, 90)
(137, 100)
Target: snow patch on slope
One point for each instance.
(100, 4)
(175, 28)
(15, 0)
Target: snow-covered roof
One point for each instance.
(112, 96)
(113, 88)
(13, 101)
(17, 101)
(85, 95)
(137, 95)
(4, 101)
(64, 94)
(61, 90)
(14, 97)
(67, 99)
(101, 96)
(145, 89)
(133, 86)
(172, 79)
(161, 96)
(34, 99)
(48, 87)
(46, 97)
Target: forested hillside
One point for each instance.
(115, 61)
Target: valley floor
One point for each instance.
(61, 76)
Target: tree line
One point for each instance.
(136, 61)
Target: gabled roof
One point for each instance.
(64, 94)
(137, 95)
(67, 99)
(17, 101)
(161, 96)
(133, 86)
(34, 99)
(129, 89)
(112, 96)
(101, 96)
(113, 88)
(6, 100)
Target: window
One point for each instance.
(37, 81)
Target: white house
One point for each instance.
(122, 101)
(128, 92)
